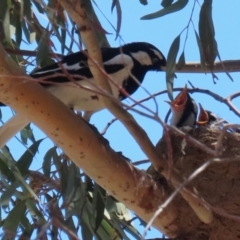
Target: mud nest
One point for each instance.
(218, 185)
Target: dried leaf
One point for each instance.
(116, 3)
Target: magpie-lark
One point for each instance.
(124, 65)
(184, 110)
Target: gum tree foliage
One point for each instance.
(59, 199)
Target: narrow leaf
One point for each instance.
(6, 196)
(26, 159)
(43, 51)
(143, 2)
(72, 183)
(25, 31)
(86, 231)
(38, 6)
(63, 39)
(207, 33)
(202, 59)
(27, 11)
(13, 219)
(18, 31)
(180, 4)
(47, 161)
(116, 4)
(99, 195)
(26, 134)
(4, 170)
(33, 210)
(181, 61)
(166, 3)
(8, 28)
(14, 170)
(171, 65)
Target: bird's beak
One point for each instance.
(163, 68)
(178, 104)
(203, 116)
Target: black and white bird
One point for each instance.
(209, 119)
(184, 110)
(124, 65)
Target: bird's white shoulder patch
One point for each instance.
(142, 57)
(47, 71)
(120, 59)
(75, 66)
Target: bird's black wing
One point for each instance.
(76, 64)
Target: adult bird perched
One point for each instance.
(208, 118)
(123, 65)
(184, 110)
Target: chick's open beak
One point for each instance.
(178, 104)
(203, 117)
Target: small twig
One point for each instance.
(230, 66)
(141, 162)
(217, 97)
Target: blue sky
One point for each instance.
(161, 32)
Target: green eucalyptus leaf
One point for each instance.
(86, 231)
(25, 161)
(6, 196)
(38, 6)
(116, 3)
(202, 59)
(171, 65)
(166, 3)
(13, 219)
(43, 51)
(180, 4)
(181, 61)
(143, 2)
(207, 33)
(50, 154)
(99, 195)
(34, 211)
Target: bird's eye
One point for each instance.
(155, 60)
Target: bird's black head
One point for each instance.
(184, 110)
(147, 55)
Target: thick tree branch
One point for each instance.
(191, 67)
(134, 188)
(230, 66)
(77, 12)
